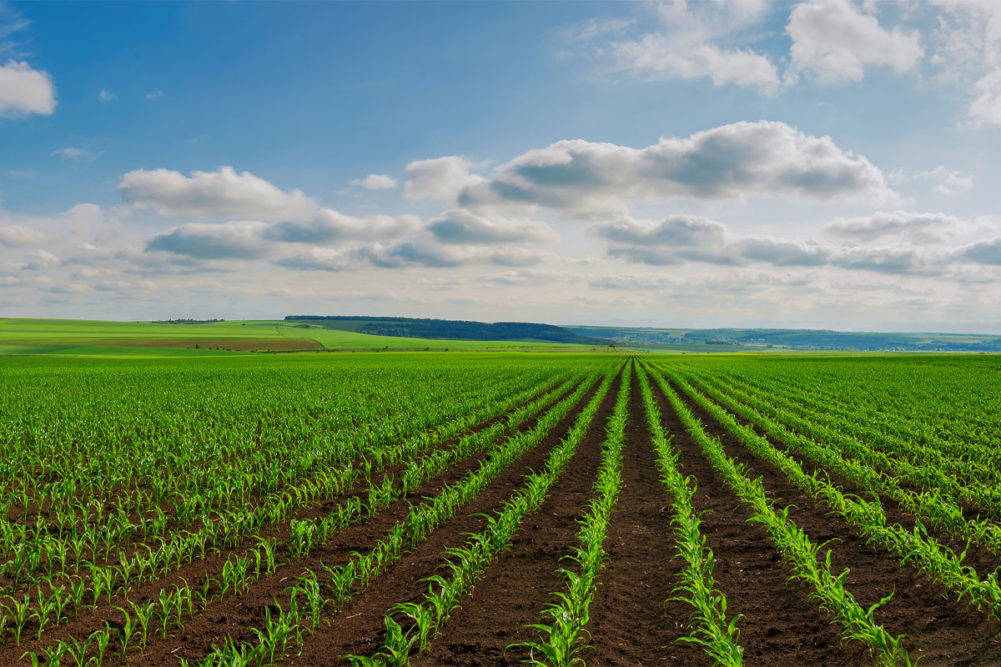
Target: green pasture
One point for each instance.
(240, 337)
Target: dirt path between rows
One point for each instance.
(939, 630)
(236, 613)
(359, 629)
(633, 619)
(780, 624)
(980, 558)
(515, 589)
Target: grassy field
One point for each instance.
(146, 339)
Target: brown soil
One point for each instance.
(780, 624)
(359, 629)
(238, 344)
(633, 621)
(359, 537)
(980, 558)
(237, 614)
(633, 618)
(938, 629)
(515, 589)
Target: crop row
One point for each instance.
(799, 552)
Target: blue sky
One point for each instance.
(817, 163)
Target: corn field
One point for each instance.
(548, 509)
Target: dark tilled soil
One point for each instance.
(516, 588)
(236, 615)
(939, 630)
(359, 629)
(230, 616)
(633, 619)
(633, 622)
(780, 624)
(977, 557)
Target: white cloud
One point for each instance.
(680, 239)
(317, 259)
(951, 182)
(781, 252)
(41, 259)
(376, 182)
(693, 42)
(987, 105)
(19, 235)
(461, 226)
(153, 95)
(968, 52)
(106, 95)
(441, 178)
(915, 227)
(25, 91)
(424, 252)
(327, 225)
(76, 154)
(947, 182)
(834, 41)
(680, 230)
(667, 56)
(223, 193)
(231, 240)
(582, 178)
(983, 252)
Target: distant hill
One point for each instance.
(408, 327)
(717, 340)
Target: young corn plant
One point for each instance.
(423, 518)
(561, 637)
(710, 627)
(794, 545)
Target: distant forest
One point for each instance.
(448, 329)
(793, 339)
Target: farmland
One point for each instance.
(229, 508)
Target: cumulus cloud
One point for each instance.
(461, 226)
(583, 178)
(153, 95)
(106, 95)
(426, 253)
(327, 225)
(233, 240)
(880, 260)
(222, 193)
(25, 91)
(778, 252)
(683, 230)
(835, 41)
(681, 239)
(915, 227)
(983, 252)
(376, 182)
(19, 235)
(441, 178)
(317, 259)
